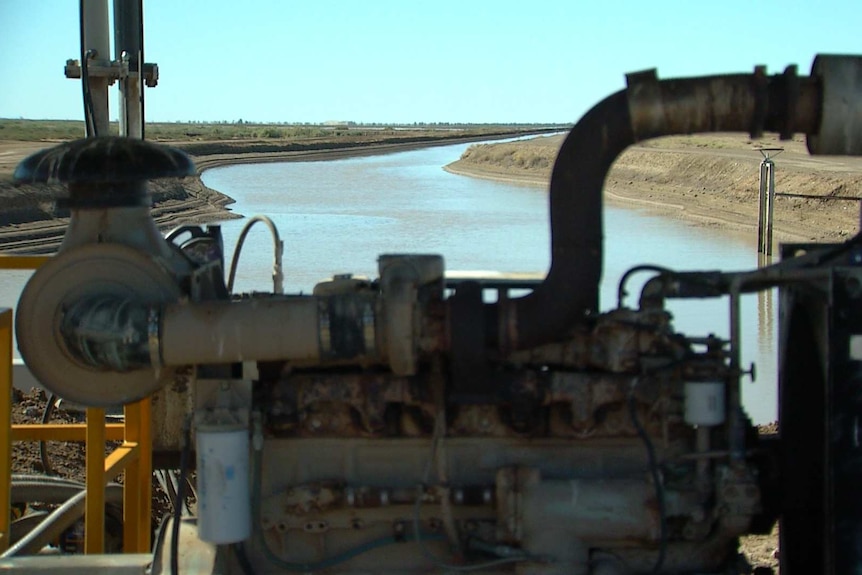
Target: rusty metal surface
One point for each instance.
(730, 103)
(840, 130)
(649, 108)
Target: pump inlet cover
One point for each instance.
(88, 271)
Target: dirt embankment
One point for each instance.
(709, 181)
(31, 222)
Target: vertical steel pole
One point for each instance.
(770, 201)
(94, 516)
(129, 48)
(767, 201)
(137, 495)
(736, 425)
(5, 427)
(761, 220)
(95, 35)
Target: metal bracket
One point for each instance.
(113, 71)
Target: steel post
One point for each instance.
(129, 49)
(94, 517)
(95, 35)
(770, 204)
(5, 426)
(767, 197)
(767, 201)
(137, 498)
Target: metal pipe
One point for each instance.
(762, 217)
(278, 252)
(735, 415)
(648, 108)
(58, 521)
(95, 35)
(767, 200)
(225, 332)
(129, 49)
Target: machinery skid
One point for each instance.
(416, 423)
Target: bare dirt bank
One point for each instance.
(708, 181)
(31, 223)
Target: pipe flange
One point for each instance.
(645, 104)
(91, 270)
(760, 91)
(840, 131)
(791, 85)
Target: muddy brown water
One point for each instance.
(337, 216)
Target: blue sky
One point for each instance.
(406, 61)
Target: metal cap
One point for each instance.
(104, 160)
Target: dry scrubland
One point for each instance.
(706, 180)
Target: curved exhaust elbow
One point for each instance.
(647, 108)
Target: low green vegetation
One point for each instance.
(36, 130)
(51, 130)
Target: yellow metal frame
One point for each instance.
(134, 456)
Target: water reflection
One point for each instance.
(766, 323)
(338, 216)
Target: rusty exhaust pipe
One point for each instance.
(649, 108)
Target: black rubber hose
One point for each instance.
(43, 445)
(58, 520)
(655, 474)
(185, 454)
(89, 122)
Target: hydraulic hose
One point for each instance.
(278, 251)
(58, 521)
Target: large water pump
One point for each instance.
(418, 423)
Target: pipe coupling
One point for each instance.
(840, 129)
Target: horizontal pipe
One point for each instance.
(58, 521)
(228, 332)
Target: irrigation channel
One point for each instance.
(337, 216)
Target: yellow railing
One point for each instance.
(134, 455)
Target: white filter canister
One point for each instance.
(224, 501)
(704, 402)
